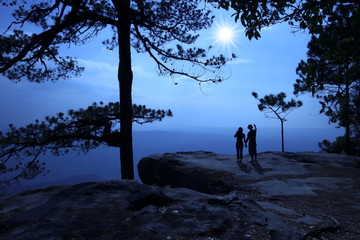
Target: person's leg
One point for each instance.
(251, 152)
(241, 154)
(237, 152)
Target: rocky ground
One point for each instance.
(316, 194)
(199, 195)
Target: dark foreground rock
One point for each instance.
(131, 210)
(283, 196)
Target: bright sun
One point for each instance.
(225, 36)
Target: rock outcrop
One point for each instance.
(199, 195)
(194, 170)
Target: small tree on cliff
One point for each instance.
(81, 131)
(159, 28)
(276, 105)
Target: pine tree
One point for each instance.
(159, 28)
(331, 72)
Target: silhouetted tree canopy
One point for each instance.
(331, 72)
(81, 131)
(159, 28)
(276, 104)
(308, 15)
(165, 30)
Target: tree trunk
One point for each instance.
(347, 119)
(125, 78)
(282, 135)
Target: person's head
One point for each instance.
(250, 127)
(240, 129)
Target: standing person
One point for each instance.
(251, 137)
(239, 143)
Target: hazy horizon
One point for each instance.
(103, 162)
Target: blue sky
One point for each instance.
(266, 66)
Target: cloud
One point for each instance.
(111, 68)
(140, 71)
(240, 61)
(103, 75)
(94, 65)
(99, 74)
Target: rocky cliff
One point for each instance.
(199, 195)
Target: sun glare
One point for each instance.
(226, 36)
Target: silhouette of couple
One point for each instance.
(251, 138)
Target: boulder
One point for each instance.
(177, 170)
